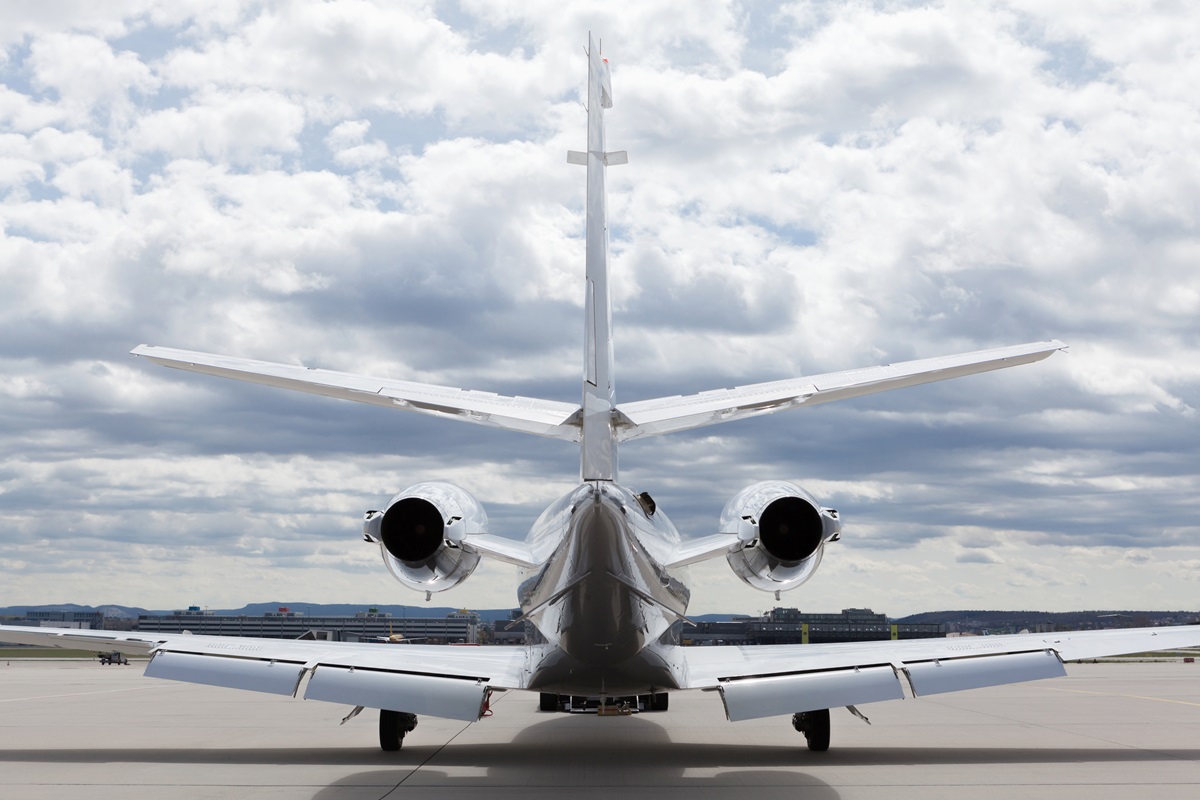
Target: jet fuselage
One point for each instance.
(603, 601)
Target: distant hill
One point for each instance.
(107, 610)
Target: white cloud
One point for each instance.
(382, 187)
(87, 76)
(48, 145)
(96, 179)
(19, 112)
(240, 128)
(19, 172)
(347, 141)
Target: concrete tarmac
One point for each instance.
(80, 730)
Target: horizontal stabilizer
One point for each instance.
(525, 414)
(693, 551)
(669, 414)
(503, 549)
(610, 159)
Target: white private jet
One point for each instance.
(602, 567)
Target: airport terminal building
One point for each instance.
(791, 626)
(777, 626)
(457, 628)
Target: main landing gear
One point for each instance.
(815, 727)
(392, 727)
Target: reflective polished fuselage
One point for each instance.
(606, 607)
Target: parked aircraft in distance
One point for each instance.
(602, 567)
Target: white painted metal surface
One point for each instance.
(452, 698)
(275, 677)
(523, 414)
(671, 414)
(598, 450)
(708, 666)
(751, 698)
(955, 675)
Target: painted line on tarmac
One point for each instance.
(78, 694)
(1118, 694)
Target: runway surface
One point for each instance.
(82, 730)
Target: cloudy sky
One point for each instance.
(382, 188)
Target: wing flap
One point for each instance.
(669, 414)
(272, 677)
(523, 414)
(753, 698)
(450, 698)
(955, 675)
(431, 679)
(771, 678)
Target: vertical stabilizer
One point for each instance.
(599, 451)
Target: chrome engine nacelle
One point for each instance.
(421, 535)
(782, 530)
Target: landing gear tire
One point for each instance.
(391, 735)
(658, 702)
(393, 725)
(547, 701)
(815, 727)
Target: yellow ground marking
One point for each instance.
(78, 694)
(1118, 694)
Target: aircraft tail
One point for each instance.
(598, 459)
(598, 424)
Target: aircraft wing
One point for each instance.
(693, 551)
(503, 549)
(437, 680)
(525, 414)
(766, 681)
(669, 414)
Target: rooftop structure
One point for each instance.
(284, 624)
(792, 626)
